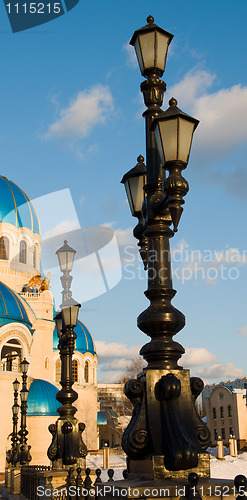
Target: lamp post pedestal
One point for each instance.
(165, 437)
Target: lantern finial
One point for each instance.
(173, 102)
(150, 19)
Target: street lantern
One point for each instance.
(66, 256)
(134, 182)
(173, 131)
(24, 366)
(151, 44)
(15, 409)
(24, 395)
(16, 384)
(70, 314)
(59, 323)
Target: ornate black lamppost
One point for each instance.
(166, 438)
(67, 447)
(24, 455)
(12, 455)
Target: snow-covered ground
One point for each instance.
(220, 469)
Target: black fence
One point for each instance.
(77, 488)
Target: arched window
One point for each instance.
(11, 355)
(75, 370)
(214, 412)
(229, 411)
(58, 370)
(221, 412)
(47, 363)
(4, 248)
(86, 371)
(23, 252)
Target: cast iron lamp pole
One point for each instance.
(12, 456)
(25, 456)
(166, 438)
(67, 447)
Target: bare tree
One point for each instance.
(133, 368)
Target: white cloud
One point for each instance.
(115, 350)
(242, 331)
(221, 371)
(63, 228)
(116, 364)
(131, 58)
(196, 356)
(89, 108)
(222, 113)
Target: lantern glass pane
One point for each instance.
(186, 129)
(66, 260)
(147, 46)
(16, 384)
(159, 143)
(70, 315)
(59, 325)
(24, 394)
(15, 409)
(169, 138)
(139, 55)
(129, 196)
(161, 50)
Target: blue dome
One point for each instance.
(16, 208)
(12, 308)
(84, 342)
(42, 399)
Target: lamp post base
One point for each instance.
(67, 448)
(153, 468)
(166, 438)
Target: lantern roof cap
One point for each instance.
(65, 248)
(172, 112)
(139, 169)
(150, 26)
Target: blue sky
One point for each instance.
(71, 120)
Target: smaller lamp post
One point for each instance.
(66, 256)
(134, 182)
(25, 456)
(12, 456)
(67, 447)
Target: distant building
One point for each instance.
(226, 412)
(238, 383)
(114, 414)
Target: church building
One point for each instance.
(27, 330)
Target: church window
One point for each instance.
(23, 252)
(58, 370)
(75, 370)
(86, 372)
(4, 248)
(229, 411)
(221, 412)
(214, 412)
(215, 434)
(223, 433)
(46, 363)
(11, 355)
